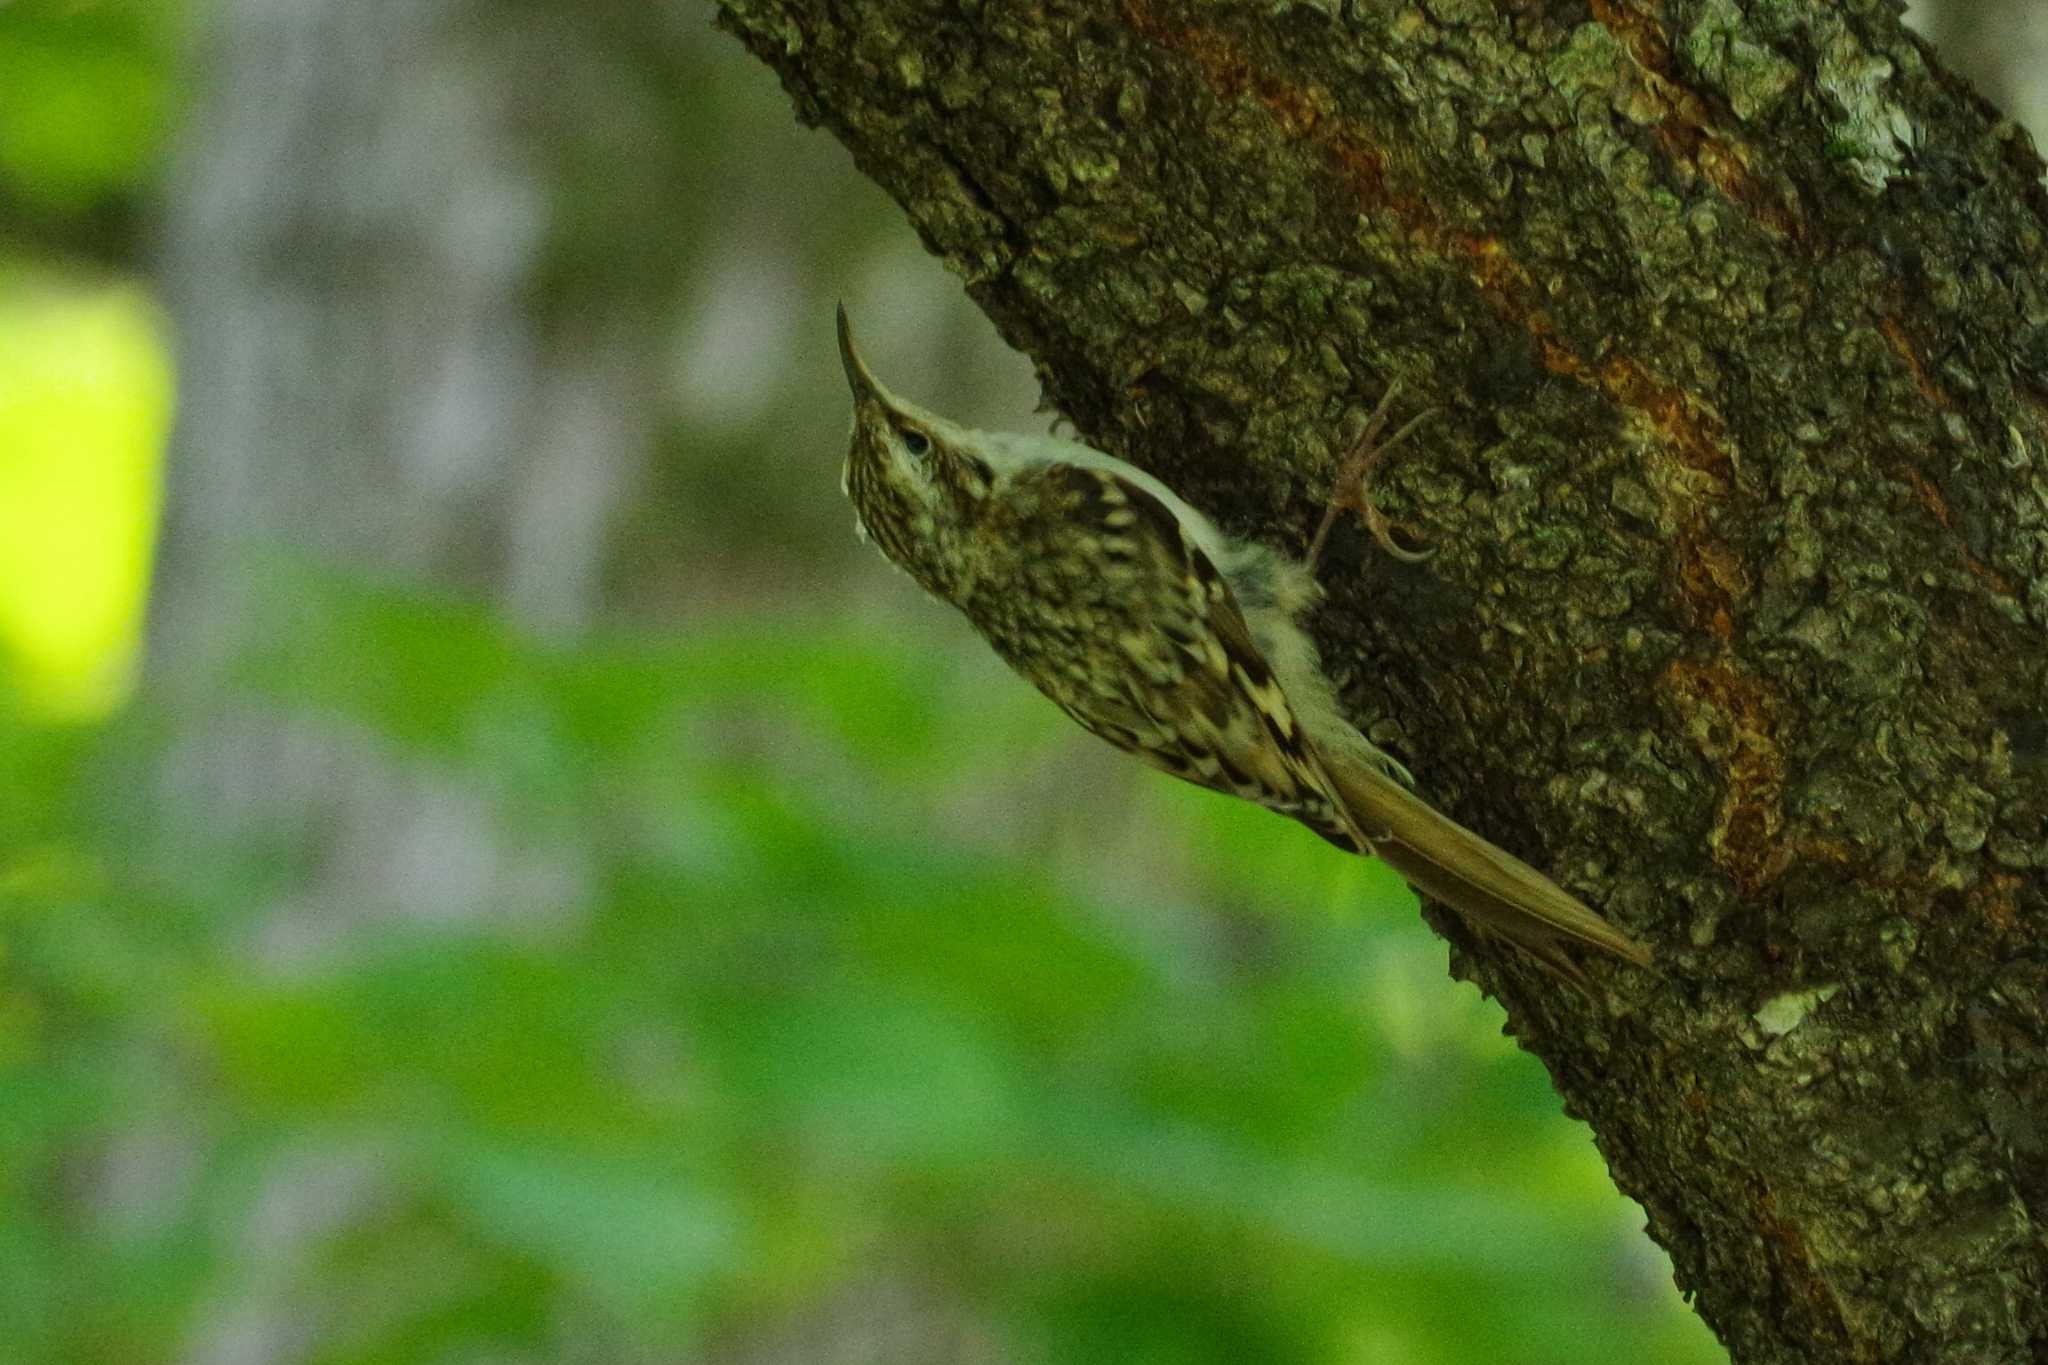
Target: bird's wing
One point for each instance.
(1189, 691)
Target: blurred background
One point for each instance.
(492, 871)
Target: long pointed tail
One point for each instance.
(1488, 885)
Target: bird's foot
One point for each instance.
(1352, 491)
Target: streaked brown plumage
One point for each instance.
(1170, 640)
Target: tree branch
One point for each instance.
(1735, 624)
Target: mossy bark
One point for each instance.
(1734, 320)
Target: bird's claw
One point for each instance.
(1353, 493)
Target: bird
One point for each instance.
(1176, 642)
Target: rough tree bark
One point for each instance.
(1734, 320)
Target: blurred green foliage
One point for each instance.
(789, 1055)
(87, 98)
(84, 406)
(84, 93)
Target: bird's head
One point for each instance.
(918, 482)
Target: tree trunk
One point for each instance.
(1733, 323)
(352, 248)
(356, 244)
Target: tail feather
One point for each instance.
(1488, 885)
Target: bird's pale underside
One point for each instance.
(1172, 641)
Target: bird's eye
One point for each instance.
(916, 442)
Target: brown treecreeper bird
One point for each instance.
(1173, 641)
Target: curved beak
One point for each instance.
(857, 377)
